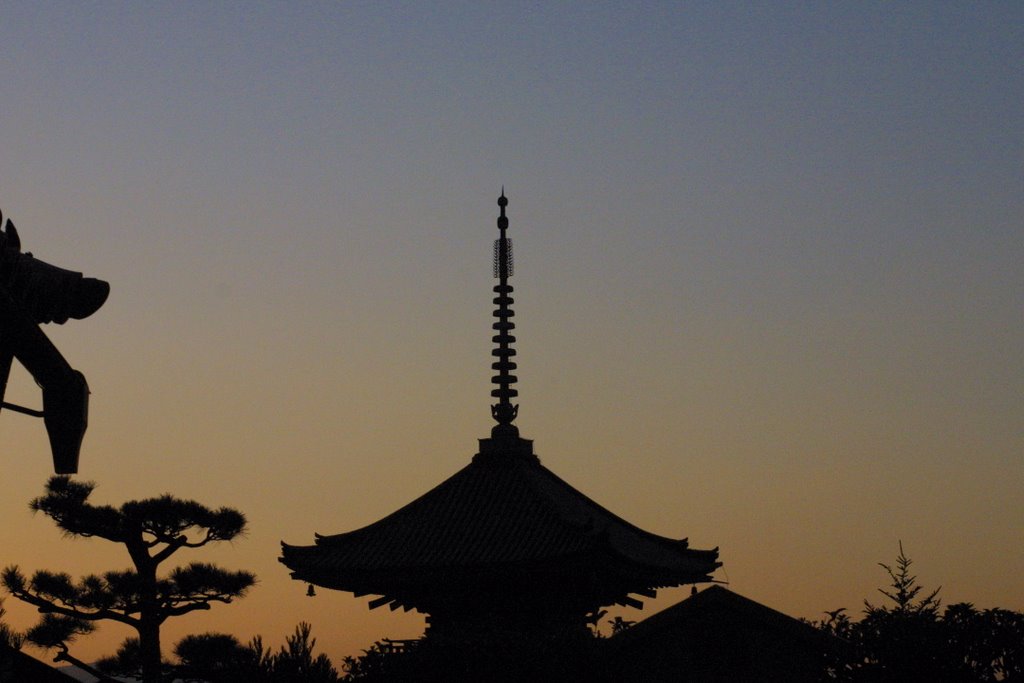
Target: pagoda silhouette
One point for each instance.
(503, 549)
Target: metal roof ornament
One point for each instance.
(504, 411)
(33, 292)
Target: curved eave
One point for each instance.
(501, 513)
(598, 577)
(606, 575)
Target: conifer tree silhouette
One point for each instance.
(152, 530)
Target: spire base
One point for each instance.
(504, 446)
(504, 431)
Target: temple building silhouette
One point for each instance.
(504, 547)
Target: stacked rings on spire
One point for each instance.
(503, 412)
(504, 339)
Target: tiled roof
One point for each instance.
(717, 635)
(20, 667)
(729, 609)
(503, 511)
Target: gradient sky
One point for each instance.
(769, 281)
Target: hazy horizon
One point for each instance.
(769, 292)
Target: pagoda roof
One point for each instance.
(504, 529)
(503, 513)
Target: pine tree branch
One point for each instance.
(64, 656)
(46, 607)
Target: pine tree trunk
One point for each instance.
(149, 650)
(149, 615)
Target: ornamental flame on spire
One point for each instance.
(504, 412)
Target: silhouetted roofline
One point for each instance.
(695, 609)
(504, 525)
(504, 513)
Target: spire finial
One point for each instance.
(503, 412)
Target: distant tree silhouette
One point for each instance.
(203, 658)
(593, 620)
(8, 636)
(905, 638)
(152, 530)
(127, 661)
(220, 658)
(295, 661)
(382, 662)
(912, 640)
(620, 625)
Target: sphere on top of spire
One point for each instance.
(502, 220)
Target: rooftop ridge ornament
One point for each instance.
(504, 411)
(33, 292)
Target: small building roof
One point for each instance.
(16, 665)
(716, 636)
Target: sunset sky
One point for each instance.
(769, 278)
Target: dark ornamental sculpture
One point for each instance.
(34, 292)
